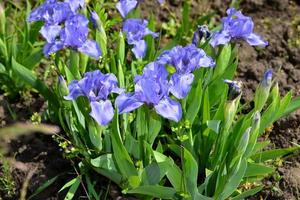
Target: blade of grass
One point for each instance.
(43, 187)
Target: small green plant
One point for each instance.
(36, 118)
(170, 27)
(7, 184)
(17, 38)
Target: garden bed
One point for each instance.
(277, 21)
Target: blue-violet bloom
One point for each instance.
(136, 30)
(75, 31)
(237, 26)
(96, 86)
(62, 86)
(64, 27)
(74, 35)
(54, 12)
(125, 6)
(185, 60)
(151, 89)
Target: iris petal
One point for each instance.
(125, 6)
(139, 49)
(90, 48)
(170, 109)
(102, 112)
(218, 38)
(181, 84)
(53, 47)
(127, 102)
(74, 91)
(256, 40)
(75, 4)
(76, 31)
(50, 32)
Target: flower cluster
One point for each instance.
(152, 88)
(157, 87)
(96, 86)
(237, 26)
(64, 27)
(155, 84)
(185, 118)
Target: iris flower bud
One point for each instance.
(234, 95)
(95, 19)
(263, 90)
(244, 141)
(256, 120)
(62, 86)
(241, 147)
(254, 134)
(101, 36)
(235, 89)
(202, 33)
(267, 80)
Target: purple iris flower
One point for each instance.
(96, 86)
(185, 60)
(74, 35)
(136, 30)
(64, 27)
(54, 12)
(152, 89)
(237, 26)
(125, 6)
(75, 31)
